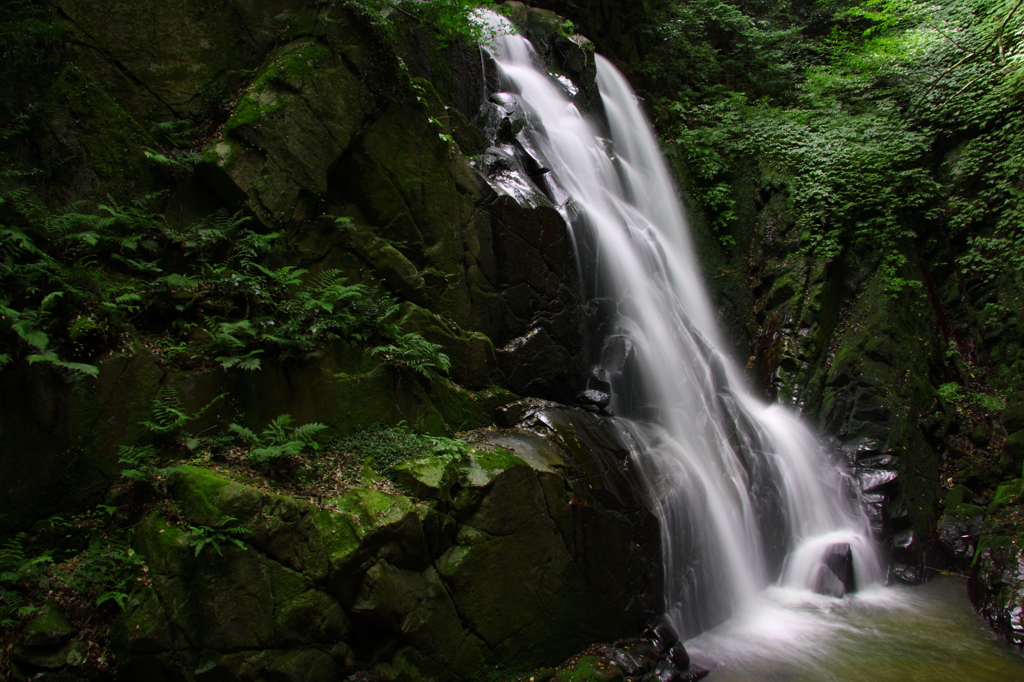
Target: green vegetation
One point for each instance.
(385, 448)
(843, 106)
(450, 19)
(201, 537)
(75, 283)
(279, 438)
(82, 562)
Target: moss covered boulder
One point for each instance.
(508, 556)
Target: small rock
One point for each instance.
(665, 673)
(678, 656)
(49, 628)
(51, 657)
(542, 675)
(662, 635)
(835, 575)
(635, 661)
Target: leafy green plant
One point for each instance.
(386, 447)
(414, 353)
(29, 325)
(950, 393)
(451, 19)
(95, 565)
(23, 580)
(106, 571)
(138, 462)
(201, 537)
(449, 449)
(165, 424)
(279, 439)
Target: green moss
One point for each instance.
(371, 509)
(338, 533)
(426, 477)
(957, 495)
(289, 65)
(590, 669)
(498, 459)
(111, 141)
(1006, 494)
(163, 544)
(463, 409)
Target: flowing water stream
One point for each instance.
(748, 500)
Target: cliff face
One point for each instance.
(304, 121)
(248, 211)
(504, 562)
(246, 162)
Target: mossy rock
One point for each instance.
(49, 628)
(510, 573)
(426, 477)
(471, 353)
(1013, 415)
(1015, 447)
(287, 131)
(590, 669)
(182, 57)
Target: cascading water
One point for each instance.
(744, 492)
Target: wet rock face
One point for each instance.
(835, 576)
(305, 115)
(997, 589)
(658, 656)
(522, 554)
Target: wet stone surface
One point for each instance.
(658, 656)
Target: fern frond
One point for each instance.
(307, 434)
(246, 434)
(276, 430)
(412, 351)
(51, 358)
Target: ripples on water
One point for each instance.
(896, 634)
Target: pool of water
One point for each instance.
(896, 634)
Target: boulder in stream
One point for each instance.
(835, 575)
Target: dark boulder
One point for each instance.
(835, 574)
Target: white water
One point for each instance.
(745, 494)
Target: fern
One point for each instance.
(247, 435)
(249, 361)
(411, 351)
(201, 537)
(307, 433)
(49, 357)
(137, 461)
(168, 413)
(278, 439)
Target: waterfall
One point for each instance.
(745, 494)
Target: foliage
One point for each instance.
(842, 108)
(23, 580)
(165, 426)
(74, 283)
(97, 565)
(451, 19)
(30, 45)
(386, 447)
(105, 571)
(449, 449)
(414, 353)
(201, 537)
(279, 439)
